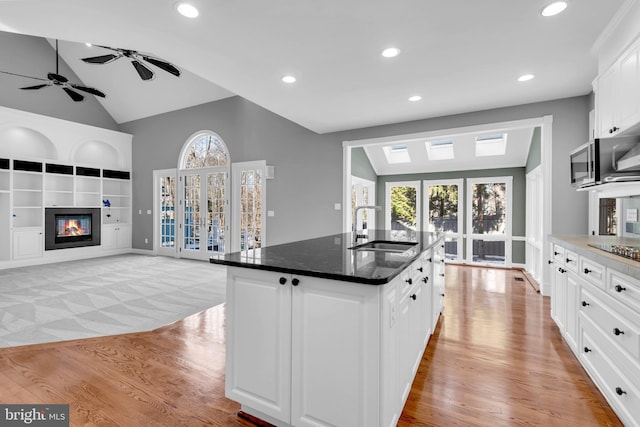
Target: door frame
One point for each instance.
(236, 168)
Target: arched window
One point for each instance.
(205, 150)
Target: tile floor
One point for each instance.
(103, 296)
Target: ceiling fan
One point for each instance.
(137, 60)
(56, 79)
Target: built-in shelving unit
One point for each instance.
(88, 188)
(27, 194)
(5, 208)
(58, 185)
(116, 189)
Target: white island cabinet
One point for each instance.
(311, 351)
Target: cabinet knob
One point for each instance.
(620, 391)
(425, 279)
(615, 129)
(561, 270)
(420, 269)
(441, 274)
(550, 262)
(617, 331)
(584, 303)
(430, 260)
(620, 288)
(587, 349)
(556, 253)
(587, 271)
(409, 281)
(295, 282)
(441, 295)
(283, 280)
(568, 260)
(414, 297)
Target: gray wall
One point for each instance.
(361, 166)
(535, 151)
(519, 197)
(308, 166)
(34, 56)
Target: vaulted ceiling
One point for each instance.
(459, 56)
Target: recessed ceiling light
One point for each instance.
(415, 98)
(525, 77)
(391, 52)
(187, 10)
(554, 8)
(289, 79)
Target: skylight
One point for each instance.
(491, 145)
(440, 150)
(396, 153)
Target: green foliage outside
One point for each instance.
(403, 206)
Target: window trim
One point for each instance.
(387, 202)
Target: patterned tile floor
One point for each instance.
(103, 296)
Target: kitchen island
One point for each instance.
(328, 332)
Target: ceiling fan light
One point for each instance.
(187, 10)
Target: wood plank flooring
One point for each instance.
(496, 359)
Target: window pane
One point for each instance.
(488, 208)
(403, 210)
(168, 212)
(490, 252)
(451, 249)
(443, 208)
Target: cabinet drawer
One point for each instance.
(612, 324)
(571, 260)
(558, 254)
(618, 388)
(624, 289)
(592, 272)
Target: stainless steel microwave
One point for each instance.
(605, 160)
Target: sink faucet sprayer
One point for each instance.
(355, 221)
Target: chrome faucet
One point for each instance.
(355, 222)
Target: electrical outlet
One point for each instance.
(146, 241)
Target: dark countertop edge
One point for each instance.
(318, 274)
(579, 244)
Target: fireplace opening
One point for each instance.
(74, 228)
(71, 227)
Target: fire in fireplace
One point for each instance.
(71, 227)
(75, 227)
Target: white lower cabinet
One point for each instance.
(116, 236)
(305, 351)
(597, 314)
(27, 243)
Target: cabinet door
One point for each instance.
(124, 236)
(27, 243)
(559, 296)
(606, 107)
(258, 357)
(571, 308)
(405, 353)
(629, 84)
(335, 341)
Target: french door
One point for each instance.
(203, 229)
(444, 213)
(166, 219)
(402, 208)
(489, 233)
(363, 193)
(249, 207)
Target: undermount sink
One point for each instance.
(384, 246)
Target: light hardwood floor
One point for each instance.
(496, 359)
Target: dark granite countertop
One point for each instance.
(329, 257)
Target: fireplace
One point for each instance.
(71, 227)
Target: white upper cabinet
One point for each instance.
(618, 95)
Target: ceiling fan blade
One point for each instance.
(169, 68)
(57, 77)
(144, 72)
(35, 87)
(90, 90)
(73, 94)
(102, 59)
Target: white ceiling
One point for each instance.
(459, 55)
